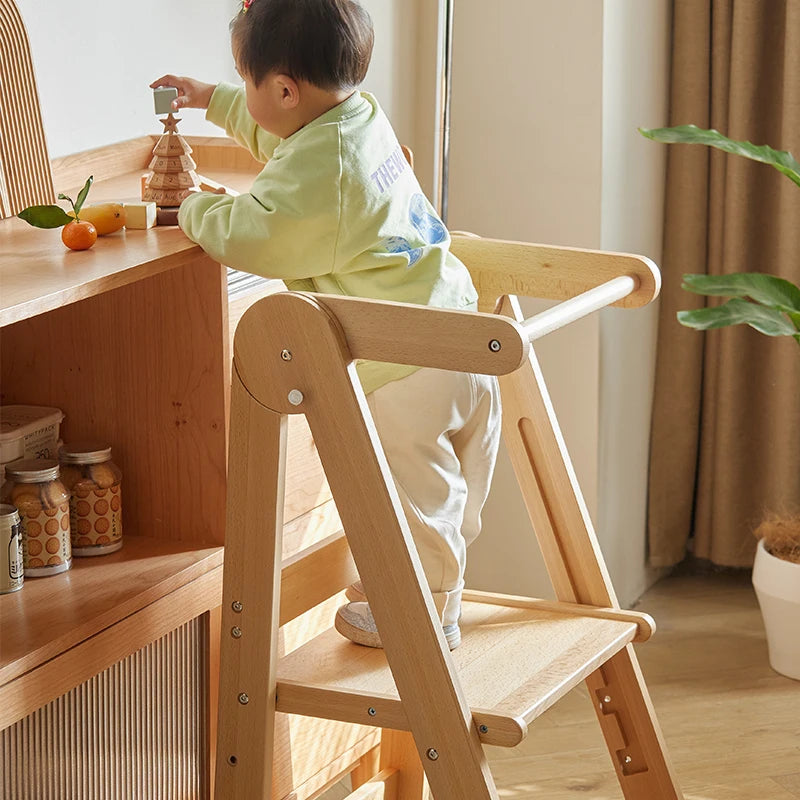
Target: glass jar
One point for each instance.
(33, 486)
(94, 483)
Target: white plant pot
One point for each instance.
(777, 585)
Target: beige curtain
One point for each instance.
(725, 445)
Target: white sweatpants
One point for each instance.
(440, 431)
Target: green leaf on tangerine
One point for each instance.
(45, 216)
(82, 194)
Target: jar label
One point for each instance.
(42, 443)
(46, 540)
(15, 570)
(11, 569)
(96, 516)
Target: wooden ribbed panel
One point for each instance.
(136, 730)
(25, 176)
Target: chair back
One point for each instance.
(25, 175)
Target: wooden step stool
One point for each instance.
(294, 353)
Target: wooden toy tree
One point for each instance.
(173, 168)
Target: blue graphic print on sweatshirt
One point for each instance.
(428, 226)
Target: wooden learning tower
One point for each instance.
(294, 353)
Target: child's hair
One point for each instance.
(325, 42)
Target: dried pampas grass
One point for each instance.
(781, 536)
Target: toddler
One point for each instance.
(338, 210)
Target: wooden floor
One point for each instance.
(731, 723)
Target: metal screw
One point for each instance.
(607, 699)
(432, 754)
(371, 711)
(495, 346)
(237, 606)
(236, 632)
(295, 397)
(628, 759)
(286, 355)
(232, 760)
(483, 728)
(244, 699)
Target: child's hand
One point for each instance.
(191, 93)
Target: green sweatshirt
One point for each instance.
(336, 209)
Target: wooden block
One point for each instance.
(166, 197)
(168, 164)
(162, 99)
(209, 185)
(140, 216)
(167, 216)
(172, 181)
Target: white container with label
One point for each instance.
(28, 432)
(11, 569)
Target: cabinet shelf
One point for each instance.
(50, 615)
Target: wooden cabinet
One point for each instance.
(131, 339)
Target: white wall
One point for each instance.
(547, 96)
(635, 70)
(95, 60)
(526, 165)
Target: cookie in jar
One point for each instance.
(94, 483)
(34, 488)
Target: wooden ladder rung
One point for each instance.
(314, 574)
(516, 659)
(645, 624)
(382, 787)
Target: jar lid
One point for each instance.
(84, 453)
(32, 470)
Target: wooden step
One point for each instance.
(382, 786)
(517, 657)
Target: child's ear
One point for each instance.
(289, 91)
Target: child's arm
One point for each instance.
(286, 227)
(226, 107)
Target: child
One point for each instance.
(337, 210)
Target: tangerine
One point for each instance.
(79, 235)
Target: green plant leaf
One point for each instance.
(769, 290)
(739, 312)
(62, 196)
(82, 194)
(45, 216)
(78, 204)
(782, 160)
